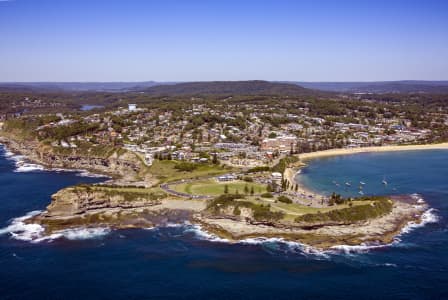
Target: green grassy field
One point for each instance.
(212, 188)
(165, 171)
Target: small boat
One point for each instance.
(384, 182)
(361, 192)
(348, 184)
(362, 182)
(360, 187)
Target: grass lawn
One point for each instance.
(165, 171)
(212, 188)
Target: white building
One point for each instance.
(132, 107)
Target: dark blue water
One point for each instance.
(174, 263)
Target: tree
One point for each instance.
(226, 189)
(246, 189)
(215, 159)
(252, 191)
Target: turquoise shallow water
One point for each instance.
(405, 172)
(179, 262)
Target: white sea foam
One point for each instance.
(35, 233)
(8, 154)
(19, 230)
(81, 233)
(358, 249)
(85, 173)
(427, 217)
(203, 235)
(295, 247)
(27, 167)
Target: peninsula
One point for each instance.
(227, 163)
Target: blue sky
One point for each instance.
(198, 40)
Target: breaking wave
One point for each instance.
(19, 230)
(428, 217)
(35, 233)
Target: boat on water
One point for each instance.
(361, 192)
(362, 182)
(384, 181)
(348, 184)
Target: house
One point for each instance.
(132, 107)
(225, 178)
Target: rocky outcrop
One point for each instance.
(74, 201)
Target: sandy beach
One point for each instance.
(391, 148)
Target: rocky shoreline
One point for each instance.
(72, 208)
(383, 230)
(116, 166)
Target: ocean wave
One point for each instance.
(35, 233)
(203, 235)
(286, 246)
(27, 167)
(82, 233)
(358, 249)
(20, 230)
(85, 173)
(428, 217)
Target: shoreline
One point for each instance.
(379, 232)
(382, 230)
(34, 165)
(291, 173)
(389, 148)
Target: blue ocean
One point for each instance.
(180, 262)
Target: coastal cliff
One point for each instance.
(78, 200)
(96, 206)
(116, 163)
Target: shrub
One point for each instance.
(284, 199)
(379, 207)
(258, 169)
(248, 179)
(267, 195)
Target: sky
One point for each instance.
(199, 40)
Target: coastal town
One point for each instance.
(230, 162)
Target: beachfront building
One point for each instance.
(281, 143)
(132, 107)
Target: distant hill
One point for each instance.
(254, 87)
(406, 86)
(78, 86)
